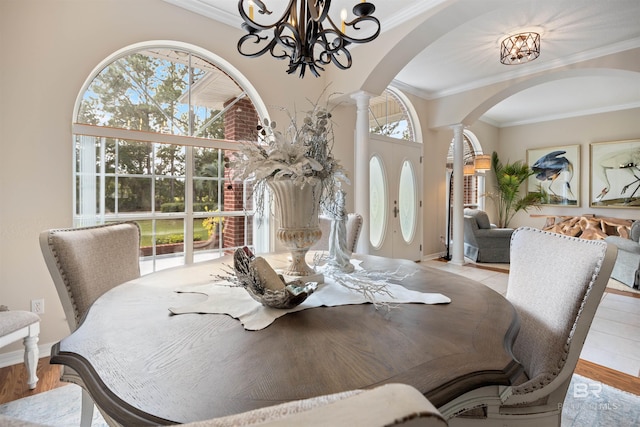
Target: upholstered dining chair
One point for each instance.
(555, 284)
(22, 325)
(84, 263)
(387, 405)
(353, 226)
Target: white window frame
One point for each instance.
(262, 236)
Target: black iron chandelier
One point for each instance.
(305, 34)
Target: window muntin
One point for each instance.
(150, 91)
(388, 116)
(160, 156)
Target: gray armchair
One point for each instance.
(483, 241)
(627, 266)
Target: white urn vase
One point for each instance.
(296, 211)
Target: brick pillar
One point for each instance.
(239, 125)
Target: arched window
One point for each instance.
(152, 128)
(388, 116)
(473, 180)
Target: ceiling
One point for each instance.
(466, 57)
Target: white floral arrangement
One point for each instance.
(302, 153)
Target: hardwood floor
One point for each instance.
(14, 379)
(608, 376)
(624, 293)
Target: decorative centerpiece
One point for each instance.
(297, 165)
(266, 286)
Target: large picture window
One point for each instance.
(152, 132)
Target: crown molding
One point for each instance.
(206, 9)
(411, 90)
(407, 13)
(568, 115)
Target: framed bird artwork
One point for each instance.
(556, 174)
(615, 174)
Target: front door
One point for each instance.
(395, 173)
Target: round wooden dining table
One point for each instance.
(144, 366)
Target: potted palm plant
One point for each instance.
(507, 197)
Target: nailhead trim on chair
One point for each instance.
(544, 381)
(63, 271)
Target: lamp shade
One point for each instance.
(482, 162)
(469, 169)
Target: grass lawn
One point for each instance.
(169, 227)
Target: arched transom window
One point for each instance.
(471, 181)
(388, 116)
(152, 129)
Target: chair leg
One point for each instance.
(86, 415)
(31, 356)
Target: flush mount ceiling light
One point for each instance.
(305, 34)
(520, 48)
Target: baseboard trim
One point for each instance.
(430, 257)
(17, 357)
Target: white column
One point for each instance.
(361, 179)
(458, 191)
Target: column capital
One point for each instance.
(362, 98)
(457, 128)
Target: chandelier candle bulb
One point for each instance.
(304, 33)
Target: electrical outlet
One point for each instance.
(37, 306)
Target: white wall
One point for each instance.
(436, 148)
(511, 144)
(48, 50)
(612, 126)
